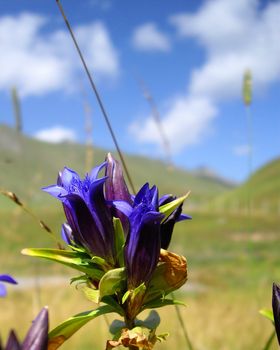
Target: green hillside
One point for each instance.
(262, 191)
(28, 164)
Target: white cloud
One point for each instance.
(185, 122)
(147, 37)
(56, 134)
(38, 63)
(236, 36)
(242, 150)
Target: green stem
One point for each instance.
(269, 341)
(183, 326)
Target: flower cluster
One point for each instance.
(117, 240)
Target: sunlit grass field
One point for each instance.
(232, 262)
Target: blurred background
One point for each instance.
(192, 92)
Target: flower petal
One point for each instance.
(84, 226)
(124, 207)
(8, 279)
(94, 172)
(142, 193)
(13, 343)
(3, 290)
(68, 176)
(143, 245)
(56, 191)
(183, 217)
(66, 233)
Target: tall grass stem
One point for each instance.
(183, 326)
(105, 115)
(269, 341)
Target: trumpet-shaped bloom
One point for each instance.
(36, 338)
(6, 279)
(89, 219)
(142, 247)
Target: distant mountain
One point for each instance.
(262, 191)
(204, 171)
(27, 165)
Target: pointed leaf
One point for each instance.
(162, 337)
(168, 208)
(69, 327)
(112, 282)
(65, 257)
(110, 300)
(161, 302)
(119, 241)
(268, 314)
(125, 296)
(91, 294)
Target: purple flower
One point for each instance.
(89, 219)
(276, 308)
(6, 279)
(142, 246)
(116, 189)
(37, 336)
(167, 226)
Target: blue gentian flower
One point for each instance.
(6, 279)
(276, 308)
(142, 246)
(89, 219)
(167, 226)
(36, 338)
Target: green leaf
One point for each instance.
(119, 240)
(91, 294)
(162, 337)
(268, 314)
(168, 208)
(160, 303)
(110, 300)
(140, 289)
(112, 282)
(99, 261)
(125, 296)
(80, 279)
(65, 257)
(69, 327)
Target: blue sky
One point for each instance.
(191, 55)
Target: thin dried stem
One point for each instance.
(14, 198)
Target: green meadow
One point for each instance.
(233, 254)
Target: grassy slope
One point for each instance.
(27, 165)
(263, 189)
